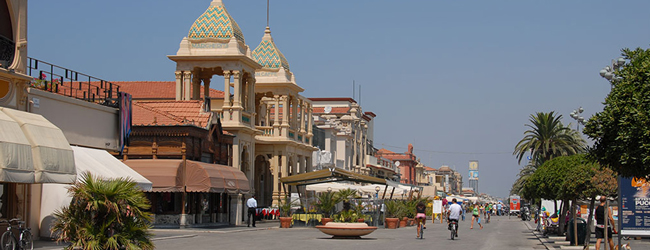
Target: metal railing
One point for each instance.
(67, 82)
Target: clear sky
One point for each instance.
(457, 79)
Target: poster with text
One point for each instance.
(635, 201)
(437, 207)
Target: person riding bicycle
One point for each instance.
(420, 216)
(454, 214)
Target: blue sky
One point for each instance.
(457, 79)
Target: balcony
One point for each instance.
(66, 82)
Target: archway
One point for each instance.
(263, 181)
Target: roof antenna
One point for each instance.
(267, 13)
(353, 87)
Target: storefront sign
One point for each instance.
(635, 201)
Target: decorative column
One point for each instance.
(238, 84)
(276, 115)
(303, 163)
(226, 90)
(310, 119)
(284, 166)
(285, 116)
(251, 98)
(196, 87)
(302, 117)
(206, 87)
(275, 170)
(187, 81)
(267, 114)
(179, 84)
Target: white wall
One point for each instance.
(83, 123)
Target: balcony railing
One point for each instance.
(266, 130)
(63, 81)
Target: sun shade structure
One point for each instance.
(167, 176)
(329, 175)
(33, 150)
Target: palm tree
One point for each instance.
(548, 138)
(105, 214)
(523, 175)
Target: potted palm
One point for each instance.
(393, 211)
(104, 214)
(285, 212)
(326, 203)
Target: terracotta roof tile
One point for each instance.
(157, 90)
(335, 110)
(170, 113)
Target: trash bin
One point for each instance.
(582, 231)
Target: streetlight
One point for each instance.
(377, 205)
(329, 189)
(576, 116)
(608, 72)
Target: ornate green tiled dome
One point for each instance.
(268, 55)
(215, 22)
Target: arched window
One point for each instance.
(7, 43)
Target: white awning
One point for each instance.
(105, 166)
(50, 159)
(16, 163)
(100, 164)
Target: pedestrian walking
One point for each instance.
(476, 216)
(252, 205)
(600, 224)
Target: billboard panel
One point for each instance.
(473, 174)
(635, 201)
(473, 165)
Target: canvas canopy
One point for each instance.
(33, 150)
(329, 175)
(167, 176)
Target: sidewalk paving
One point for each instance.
(177, 233)
(560, 242)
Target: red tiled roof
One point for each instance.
(335, 110)
(329, 99)
(157, 90)
(370, 114)
(170, 113)
(429, 169)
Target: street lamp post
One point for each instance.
(576, 116)
(377, 206)
(608, 72)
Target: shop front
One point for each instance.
(189, 193)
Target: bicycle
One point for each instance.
(8, 240)
(421, 228)
(453, 226)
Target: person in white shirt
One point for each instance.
(454, 213)
(252, 205)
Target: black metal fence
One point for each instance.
(67, 82)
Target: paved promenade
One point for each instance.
(502, 233)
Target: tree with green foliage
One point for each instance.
(621, 132)
(546, 139)
(586, 181)
(105, 214)
(548, 180)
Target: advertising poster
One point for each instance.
(437, 207)
(635, 203)
(515, 204)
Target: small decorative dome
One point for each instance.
(215, 22)
(268, 55)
